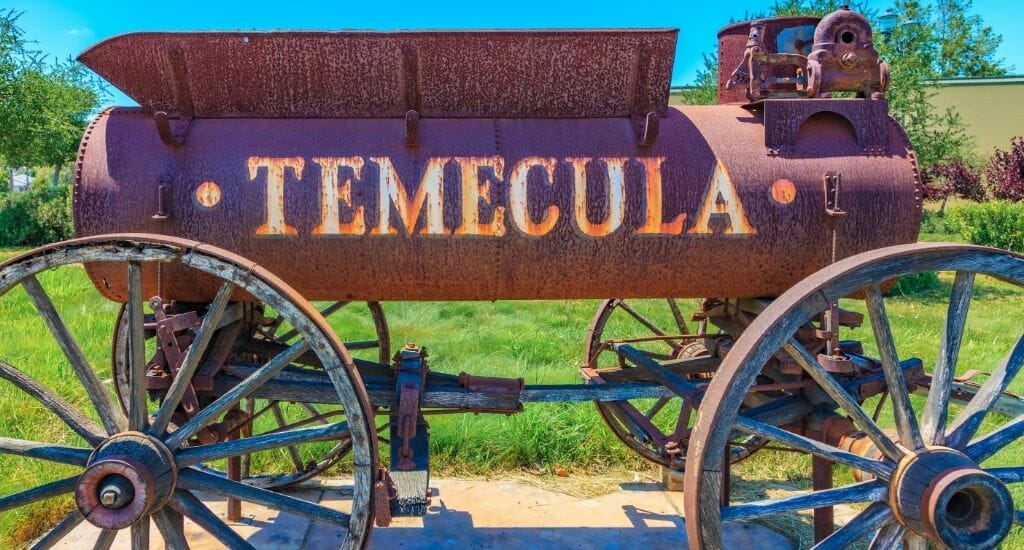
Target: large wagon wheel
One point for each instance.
(656, 429)
(940, 480)
(266, 328)
(133, 468)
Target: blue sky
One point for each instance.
(64, 28)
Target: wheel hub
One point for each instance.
(942, 494)
(129, 476)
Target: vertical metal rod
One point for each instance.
(821, 479)
(234, 474)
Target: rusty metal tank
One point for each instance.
(479, 165)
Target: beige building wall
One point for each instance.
(992, 108)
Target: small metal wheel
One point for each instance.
(657, 429)
(257, 332)
(940, 470)
(128, 467)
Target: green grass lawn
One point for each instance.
(542, 342)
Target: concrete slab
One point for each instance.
(509, 514)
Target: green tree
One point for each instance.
(44, 107)
(967, 46)
(705, 88)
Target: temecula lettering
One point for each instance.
(400, 212)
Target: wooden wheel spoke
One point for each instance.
(171, 526)
(111, 417)
(903, 412)
(868, 521)
(860, 417)
(969, 419)
(816, 448)
(313, 411)
(677, 314)
(235, 394)
(645, 321)
(193, 355)
(868, 491)
(71, 416)
(888, 536)
(1012, 474)
(325, 313)
(140, 534)
(196, 480)
(293, 451)
(984, 447)
(105, 539)
(187, 504)
(657, 407)
(42, 492)
(204, 453)
(59, 531)
(933, 418)
(138, 414)
(44, 451)
(913, 541)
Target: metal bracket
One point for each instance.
(172, 128)
(412, 127)
(869, 118)
(410, 437)
(649, 130)
(833, 188)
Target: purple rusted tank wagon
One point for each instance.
(265, 170)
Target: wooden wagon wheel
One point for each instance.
(264, 416)
(932, 482)
(657, 429)
(133, 468)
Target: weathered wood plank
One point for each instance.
(903, 411)
(190, 362)
(969, 419)
(988, 445)
(234, 395)
(191, 507)
(42, 492)
(44, 451)
(138, 413)
(105, 539)
(1013, 474)
(195, 480)
(111, 417)
(850, 405)
(888, 537)
(868, 491)
(61, 530)
(816, 448)
(868, 521)
(675, 382)
(67, 412)
(933, 417)
(171, 526)
(140, 534)
(204, 453)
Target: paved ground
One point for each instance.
(484, 514)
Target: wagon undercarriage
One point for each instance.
(206, 383)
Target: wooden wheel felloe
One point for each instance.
(254, 337)
(657, 429)
(133, 465)
(934, 478)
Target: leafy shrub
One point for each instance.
(1005, 172)
(954, 178)
(914, 284)
(39, 216)
(996, 223)
(933, 222)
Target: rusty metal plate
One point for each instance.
(455, 74)
(482, 209)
